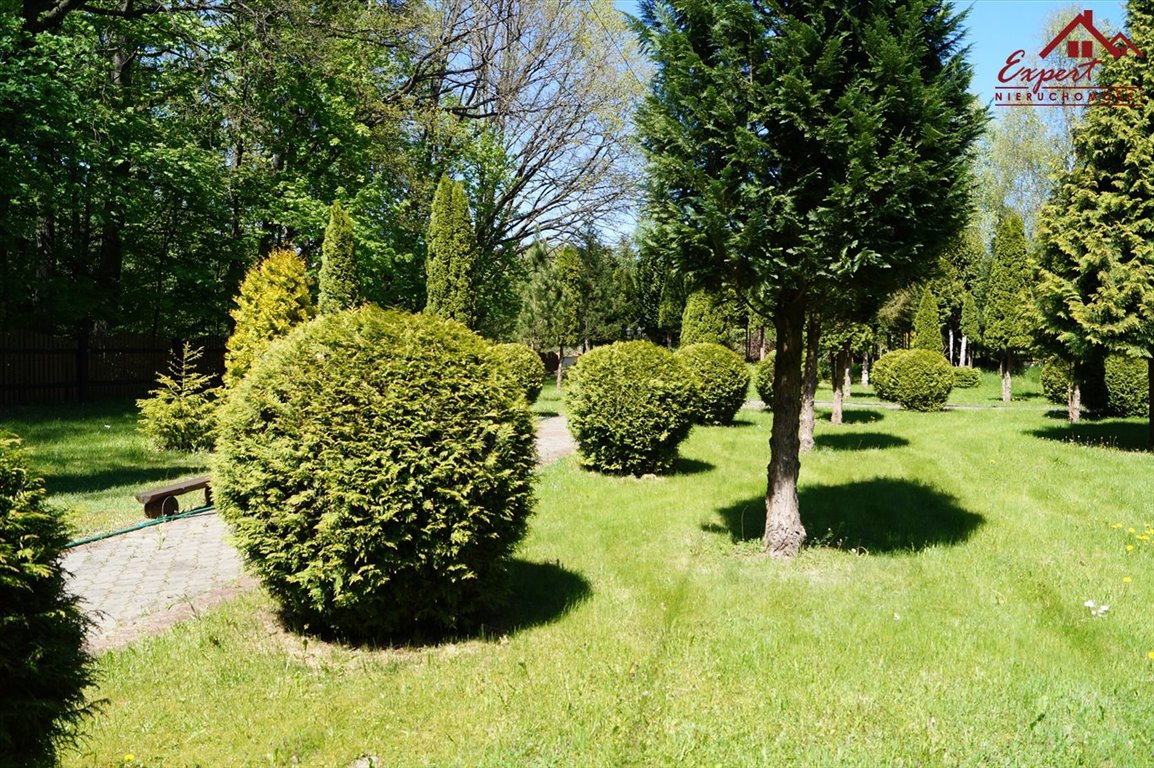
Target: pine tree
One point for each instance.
(1009, 301)
(790, 157)
(273, 299)
(339, 282)
(1096, 263)
(178, 415)
(927, 331)
(452, 259)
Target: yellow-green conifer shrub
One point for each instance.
(375, 478)
(44, 667)
(273, 299)
(179, 415)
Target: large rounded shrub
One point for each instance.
(1055, 378)
(1127, 386)
(630, 406)
(523, 369)
(763, 379)
(966, 377)
(923, 380)
(883, 374)
(374, 477)
(722, 380)
(43, 666)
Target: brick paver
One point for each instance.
(146, 580)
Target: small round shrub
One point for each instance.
(630, 405)
(763, 378)
(44, 668)
(923, 380)
(523, 369)
(966, 377)
(883, 374)
(1127, 386)
(722, 380)
(1056, 380)
(374, 477)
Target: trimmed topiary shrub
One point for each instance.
(763, 379)
(179, 415)
(922, 380)
(883, 374)
(523, 369)
(708, 318)
(966, 377)
(1056, 380)
(1127, 386)
(44, 668)
(374, 477)
(630, 405)
(722, 380)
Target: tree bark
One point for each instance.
(865, 370)
(1074, 403)
(1150, 403)
(784, 533)
(809, 384)
(1007, 383)
(951, 347)
(560, 364)
(962, 356)
(847, 363)
(839, 387)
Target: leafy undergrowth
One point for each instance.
(93, 460)
(939, 618)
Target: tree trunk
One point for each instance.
(962, 356)
(847, 362)
(560, 364)
(1007, 384)
(809, 384)
(839, 387)
(1074, 402)
(865, 370)
(784, 533)
(951, 355)
(1150, 403)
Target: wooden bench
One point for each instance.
(162, 502)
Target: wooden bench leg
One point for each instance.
(162, 507)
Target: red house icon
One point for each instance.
(1084, 49)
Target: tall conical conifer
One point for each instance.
(339, 282)
(452, 259)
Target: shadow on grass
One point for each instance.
(1120, 435)
(546, 414)
(859, 441)
(684, 466)
(852, 415)
(882, 515)
(138, 478)
(537, 594)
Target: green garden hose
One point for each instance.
(138, 526)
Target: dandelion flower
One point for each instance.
(1150, 655)
(129, 757)
(1126, 579)
(1116, 525)
(1129, 547)
(1131, 530)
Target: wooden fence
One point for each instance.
(36, 368)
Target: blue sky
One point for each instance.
(997, 28)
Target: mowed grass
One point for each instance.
(93, 460)
(938, 619)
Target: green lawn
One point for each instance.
(93, 459)
(938, 620)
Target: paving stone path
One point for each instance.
(143, 581)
